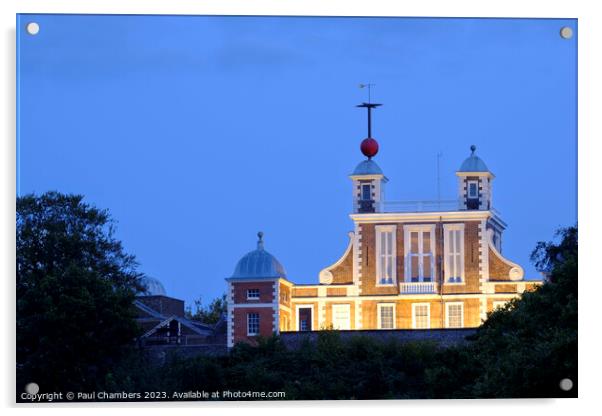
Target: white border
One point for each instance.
(590, 199)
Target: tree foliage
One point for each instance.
(210, 314)
(523, 350)
(526, 349)
(75, 286)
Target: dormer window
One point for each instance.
(253, 294)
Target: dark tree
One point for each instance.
(75, 287)
(208, 314)
(526, 349)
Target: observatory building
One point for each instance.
(408, 265)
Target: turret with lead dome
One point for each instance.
(474, 183)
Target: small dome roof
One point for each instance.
(367, 167)
(473, 163)
(153, 286)
(258, 264)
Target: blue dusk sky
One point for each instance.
(197, 132)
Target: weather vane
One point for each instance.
(369, 86)
(369, 105)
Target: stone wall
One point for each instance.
(160, 354)
(443, 337)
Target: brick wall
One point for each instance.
(509, 288)
(301, 292)
(471, 261)
(266, 323)
(403, 312)
(472, 313)
(266, 290)
(498, 269)
(285, 294)
(368, 261)
(164, 305)
(336, 291)
(343, 273)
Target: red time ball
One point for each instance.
(369, 147)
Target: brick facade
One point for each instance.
(304, 292)
(265, 292)
(164, 305)
(481, 275)
(368, 261)
(266, 323)
(343, 272)
(498, 269)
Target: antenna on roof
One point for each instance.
(439, 155)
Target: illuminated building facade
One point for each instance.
(408, 265)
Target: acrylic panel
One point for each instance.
(198, 203)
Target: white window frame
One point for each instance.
(407, 245)
(447, 305)
(347, 308)
(468, 194)
(446, 254)
(249, 333)
(380, 229)
(498, 304)
(297, 315)
(378, 315)
(253, 297)
(428, 319)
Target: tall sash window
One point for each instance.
(453, 245)
(419, 243)
(385, 255)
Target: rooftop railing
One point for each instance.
(369, 206)
(419, 206)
